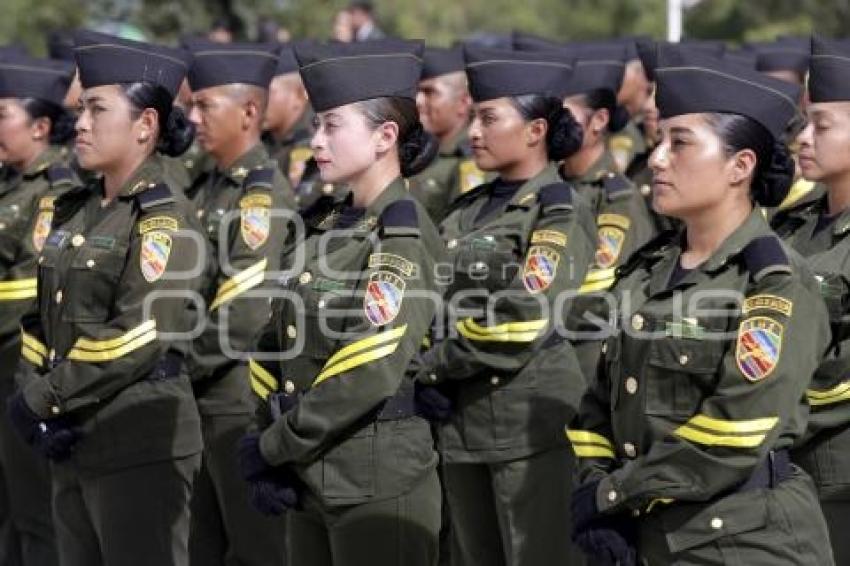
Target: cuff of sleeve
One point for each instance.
(609, 495)
(42, 399)
(270, 448)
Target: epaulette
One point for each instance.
(616, 186)
(261, 177)
(400, 218)
(764, 256)
(155, 196)
(68, 203)
(59, 175)
(650, 251)
(556, 196)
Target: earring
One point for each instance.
(143, 139)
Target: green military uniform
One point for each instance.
(26, 210)
(824, 242)
(242, 211)
(691, 407)
(293, 152)
(623, 225)
(627, 144)
(196, 162)
(94, 352)
(452, 173)
(367, 462)
(512, 380)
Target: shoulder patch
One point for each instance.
(764, 256)
(298, 159)
(43, 222)
(549, 237)
(262, 177)
(556, 195)
(393, 261)
(158, 223)
(255, 219)
(383, 297)
(769, 303)
(60, 175)
(400, 218)
(155, 196)
(154, 254)
(541, 265)
(758, 347)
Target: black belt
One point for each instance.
(400, 406)
(771, 472)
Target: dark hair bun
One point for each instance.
(564, 136)
(177, 135)
(63, 128)
(619, 119)
(417, 150)
(773, 181)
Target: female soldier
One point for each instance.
(818, 229)
(359, 305)
(684, 438)
(33, 130)
(517, 245)
(102, 392)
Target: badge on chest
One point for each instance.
(384, 294)
(256, 219)
(540, 268)
(153, 259)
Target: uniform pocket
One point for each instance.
(349, 468)
(91, 284)
(680, 374)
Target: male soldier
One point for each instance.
(288, 129)
(634, 91)
(240, 203)
(444, 105)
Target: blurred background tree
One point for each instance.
(439, 21)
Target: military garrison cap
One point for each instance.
(26, 77)
(438, 61)
(341, 73)
(829, 77)
(105, 59)
(598, 67)
(286, 61)
(494, 73)
(216, 64)
(690, 82)
(782, 56)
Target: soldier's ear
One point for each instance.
(742, 166)
(40, 128)
(251, 113)
(148, 124)
(535, 132)
(387, 136)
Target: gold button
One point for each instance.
(55, 410)
(612, 496)
(90, 263)
(59, 296)
(291, 331)
(683, 359)
(322, 304)
(2, 225)
(717, 523)
(52, 355)
(631, 385)
(433, 377)
(494, 380)
(328, 188)
(452, 244)
(479, 266)
(630, 449)
(637, 322)
(200, 213)
(78, 240)
(645, 190)
(604, 347)
(610, 175)
(189, 163)
(432, 183)
(305, 278)
(289, 387)
(40, 259)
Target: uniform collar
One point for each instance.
(396, 190)
(148, 174)
(42, 162)
(255, 157)
(753, 227)
(526, 195)
(601, 167)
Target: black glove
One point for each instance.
(430, 403)
(53, 438)
(281, 403)
(273, 489)
(583, 503)
(608, 541)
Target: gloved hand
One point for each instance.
(608, 541)
(583, 503)
(430, 403)
(273, 489)
(53, 438)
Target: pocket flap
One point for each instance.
(732, 515)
